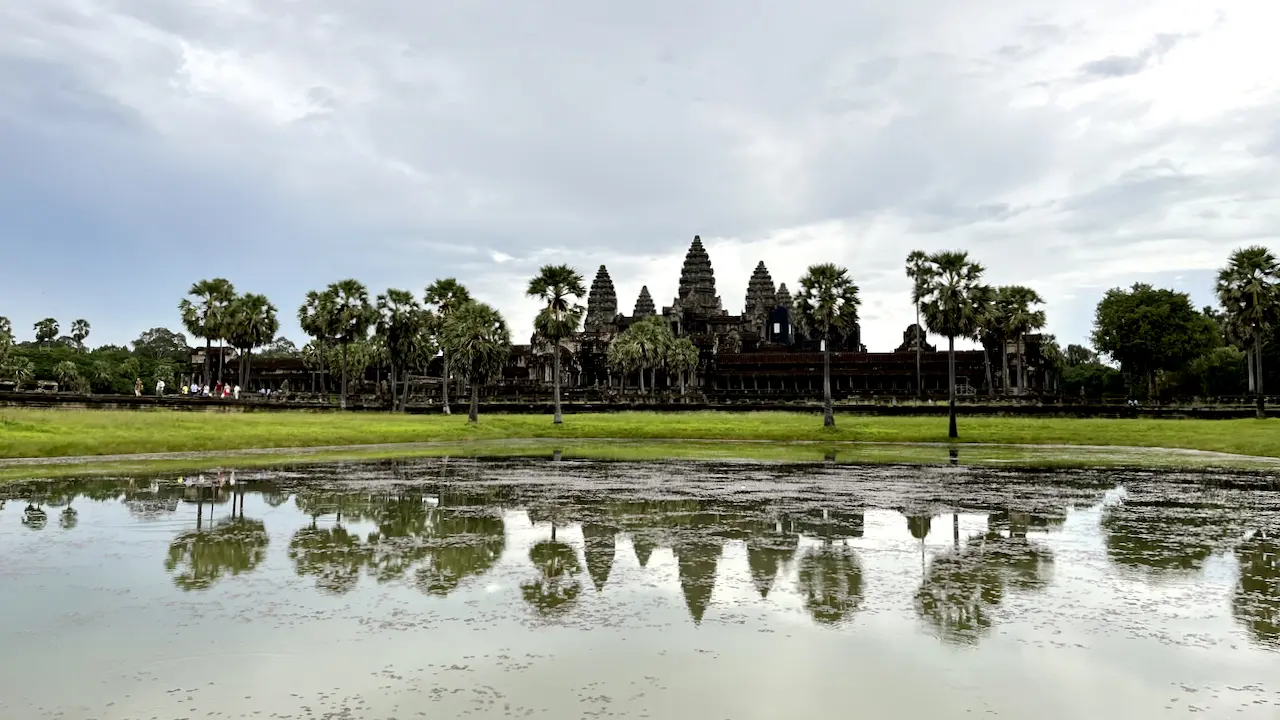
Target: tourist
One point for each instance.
(137, 387)
(235, 392)
(160, 388)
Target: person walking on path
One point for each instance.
(159, 388)
(137, 387)
(235, 392)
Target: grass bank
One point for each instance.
(61, 433)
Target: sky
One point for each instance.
(1072, 146)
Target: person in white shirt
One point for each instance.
(159, 387)
(235, 392)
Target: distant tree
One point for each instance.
(350, 319)
(1148, 330)
(1079, 355)
(953, 307)
(649, 340)
(250, 323)
(68, 375)
(6, 327)
(102, 374)
(162, 372)
(559, 287)
(6, 339)
(80, 331)
(1221, 371)
(314, 316)
(1249, 290)
(46, 331)
(478, 340)
(202, 315)
(1054, 361)
(682, 359)
(918, 269)
(828, 304)
(1021, 318)
(281, 347)
(131, 370)
(624, 356)
(401, 321)
(163, 344)
(19, 369)
(446, 296)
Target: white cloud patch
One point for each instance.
(1072, 146)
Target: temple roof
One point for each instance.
(784, 296)
(698, 281)
(602, 301)
(644, 304)
(761, 295)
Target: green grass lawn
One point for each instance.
(60, 433)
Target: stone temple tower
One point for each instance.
(602, 302)
(644, 304)
(761, 298)
(697, 294)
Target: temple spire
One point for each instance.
(698, 281)
(644, 304)
(602, 302)
(761, 298)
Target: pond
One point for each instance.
(533, 588)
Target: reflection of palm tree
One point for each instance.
(199, 559)
(557, 585)
(466, 546)
(831, 581)
(1164, 537)
(962, 588)
(696, 560)
(334, 556)
(600, 548)
(1256, 603)
(768, 550)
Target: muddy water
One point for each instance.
(448, 589)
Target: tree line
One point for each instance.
(1157, 338)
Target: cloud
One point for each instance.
(153, 143)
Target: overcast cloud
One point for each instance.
(1071, 146)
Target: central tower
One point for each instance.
(697, 294)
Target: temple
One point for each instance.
(759, 352)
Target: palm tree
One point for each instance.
(21, 370)
(560, 287)
(1248, 288)
(67, 373)
(918, 269)
(650, 338)
(626, 356)
(401, 325)
(477, 338)
(350, 316)
(6, 327)
(251, 322)
(446, 295)
(828, 303)
(313, 317)
(46, 330)
(991, 331)
(954, 304)
(102, 373)
(202, 315)
(682, 358)
(1022, 318)
(80, 331)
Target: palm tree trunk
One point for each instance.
(404, 396)
(653, 379)
(1248, 358)
(919, 376)
(208, 350)
(220, 359)
(828, 413)
(1257, 353)
(1004, 360)
(248, 369)
(1022, 368)
(986, 360)
(474, 415)
(444, 386)
(556, 380)
(642, 380)
(342, 400)
(681, 383)
(391, 378)
(951, 387)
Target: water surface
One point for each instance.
(518, 588)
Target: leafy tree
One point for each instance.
(1021, 317)
(918, 268)
(203, 314)
(641, 347)
(1079, 355)
(68, 374)
(1221, 371)
(624, 355)
(6, 339)
(20, 370)
(352, 315)
(163, 372)
(401, 325)
(446, 296)
(1249, 288)
(1092, 379)
(102, 374)
(478, 340)
(163, 344)
(80, 331)
(827, 303)
(281, 347)
(1148, 330)
(6, 327)
(682, 359)
(955, 301)
(1054, 360)
(314, 316)
(559, 287)
(46, 330)
(250, 322)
